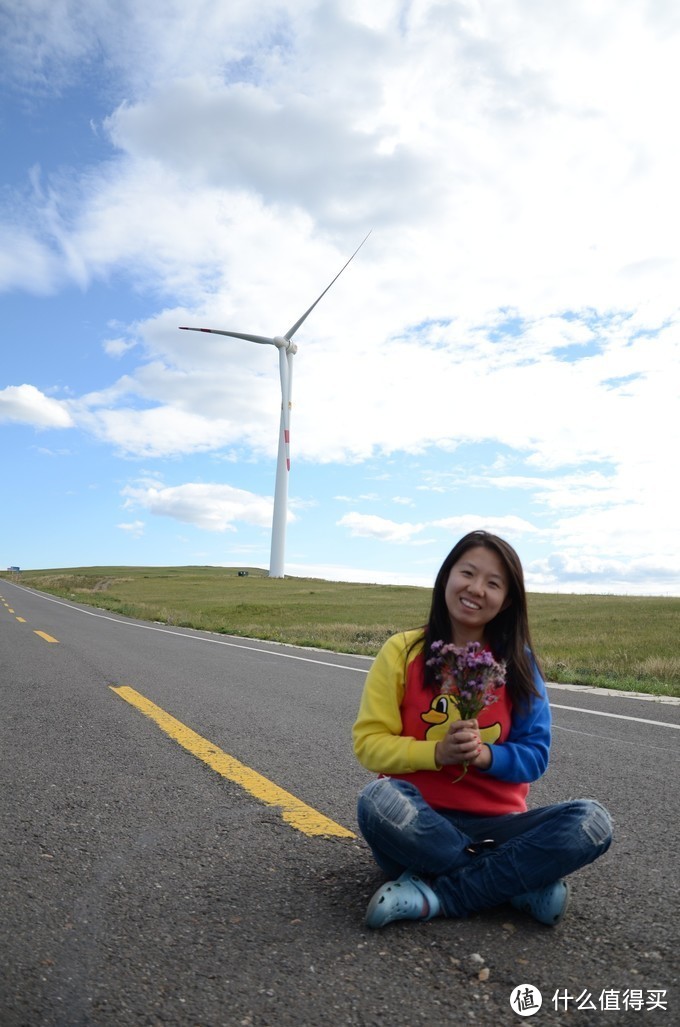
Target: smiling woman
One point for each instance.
(476, 592)
(447, 818)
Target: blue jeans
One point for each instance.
(530, 849)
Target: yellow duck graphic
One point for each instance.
(443, 712)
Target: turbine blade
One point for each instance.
(232, 335)
(291, 331)
(289, 358)
(285, 402)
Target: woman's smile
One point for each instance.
(476, 591)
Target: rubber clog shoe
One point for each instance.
(402, 899)
(547, 905)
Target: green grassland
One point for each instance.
(623, 642)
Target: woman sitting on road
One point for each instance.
(447, 818)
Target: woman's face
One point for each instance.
(477, 590)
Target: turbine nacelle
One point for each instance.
(281, 342)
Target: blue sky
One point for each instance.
(501, 353)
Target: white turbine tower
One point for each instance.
(287, 351)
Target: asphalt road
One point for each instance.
(140, 886)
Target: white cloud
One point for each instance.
(117, 347)
(45, 46)
(29, 263)
(564, 571)
(443, 130)
(295, 150)
(45, 451)
(133, 528)
(161, 431)
(209, 507)
(372, 526)
(519, 288)
(509, 526)
(26, 404)
(384, 530)
(345, 572)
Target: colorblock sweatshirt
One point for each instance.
(400, 722)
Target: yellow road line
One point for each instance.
(293, 811)
(48, 638)
(22, 620)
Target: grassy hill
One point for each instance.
(624, 642)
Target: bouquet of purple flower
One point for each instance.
(468, 672)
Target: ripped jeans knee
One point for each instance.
(596, 824)
(405, 832)
(383, 814)
(580, 833)
(390, 803)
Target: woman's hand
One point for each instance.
(461, 744)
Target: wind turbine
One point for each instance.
(287, 351)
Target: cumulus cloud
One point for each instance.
(117, 347)
(28, 405)
(564, 571)
(299, 151)
(160, 431)
(511, 527)
(210, 507)
(404, 127)
(384, 530)
(519, 289)
(372, 526)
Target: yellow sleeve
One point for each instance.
(378, 742)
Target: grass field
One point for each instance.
(624, 642)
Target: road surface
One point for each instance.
(179, 846)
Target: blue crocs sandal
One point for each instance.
(402, 900)
(547, 905)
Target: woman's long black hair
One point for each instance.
(507, 634)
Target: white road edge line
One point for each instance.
(618, 716)
(198, 638)
(357, 670)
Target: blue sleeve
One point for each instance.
(524, 755)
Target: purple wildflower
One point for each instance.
(469, 673)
